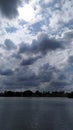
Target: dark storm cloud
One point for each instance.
(25, 48)
(58, 84)
(9, 45)
(26, 78)
(19, 83)
(22, 78)
(25, 73)
(29, 83)
(7, 72)
(43, 44)
(8, 8)
(45, 73)
(30, 61)
(62, 77)
(54, 77)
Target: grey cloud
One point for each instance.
(30, 61)
(45, 73)
(62, 77)
(24, 48)
(23, 78)
(55, 78)
(29, 83)
(26, 78)
(16, 56)
(43, 44)
(29, 78)
(69, 66)
(68, 35)
(6, 72)
(24, 73)
(20, 85)
(70, 59)
(9, 8)
(9, 45)
(58, 85)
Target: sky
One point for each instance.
(36, 45)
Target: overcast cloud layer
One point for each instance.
(36, 54)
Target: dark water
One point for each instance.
(36, 114)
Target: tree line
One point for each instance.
(29, 93)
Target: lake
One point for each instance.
(36, 113)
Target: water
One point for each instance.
(36, 114)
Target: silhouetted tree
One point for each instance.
(27, 93)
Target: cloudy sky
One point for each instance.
(36, 45)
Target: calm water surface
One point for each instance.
(36, 114)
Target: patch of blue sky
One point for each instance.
(22, 22)
(55, 4)
(35, 28)
(11, 29)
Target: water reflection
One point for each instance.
(36, 114)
